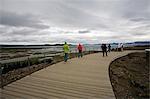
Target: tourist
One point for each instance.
(66, 51)
(121, 46)
(109, 48)
(104, 49)
(80, 50)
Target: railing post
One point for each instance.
(1, 72)
(147, 56)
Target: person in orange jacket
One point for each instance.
(80, 50)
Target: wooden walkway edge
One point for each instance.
(79, 78)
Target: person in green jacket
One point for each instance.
(66, 51)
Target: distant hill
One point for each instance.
(145, 42)
(136, 43)
(139, 42)
(32, 45)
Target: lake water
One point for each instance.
(52, 50)
(88, 47)
(72, 48)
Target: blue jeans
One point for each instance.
(66, 57)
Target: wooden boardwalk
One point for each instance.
(79, 78)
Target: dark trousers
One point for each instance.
(109, 49)
(80, 54)
(66, 57)
(104, 52)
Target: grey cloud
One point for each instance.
(24, 32)
(121, 19)
(139, 34)
(18, 31)
(21, 20)
(134, 8)
(140, 19)
(140, 28)
(83, 31)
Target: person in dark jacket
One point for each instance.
(104, 49)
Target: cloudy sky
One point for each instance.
(84, 21)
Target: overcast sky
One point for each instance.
(74, 21)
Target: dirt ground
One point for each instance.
(129, 76)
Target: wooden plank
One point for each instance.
(79, 78)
